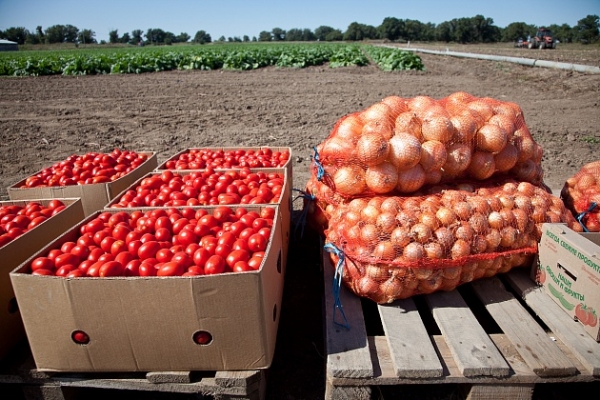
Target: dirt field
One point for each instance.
(45, 119)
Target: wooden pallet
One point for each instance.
(20, 371)
(495, 338)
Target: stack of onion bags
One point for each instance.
(421, 195)
(581, 195)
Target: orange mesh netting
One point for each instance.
(399, 145)
(581, 195)
(396, 247)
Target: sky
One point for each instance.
(236, 18)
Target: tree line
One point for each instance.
(477, 29)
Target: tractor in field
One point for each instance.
(543, 39)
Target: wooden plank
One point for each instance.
(347, 349)
(570, 332)
(412, 352)
(238, 378)
(473, 350)
(539, 352)
(501, 391)
(169, 377)
(347, 392)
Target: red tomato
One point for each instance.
(236, 255)
(42, 271)
(42, 263)
(163, 255)
(214, 265)
(170, 268)
(254, 262)
(148, 249)
(65, 270)
(241, 266)
(66, 258)
(201, 256)
(94, 269)
(147, 269)
(132, 268)
(194, 270)
(111, 268)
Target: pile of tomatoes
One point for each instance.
(15, 220)
(164, 241)
(201, 188)
(86, 169)
(225, 159)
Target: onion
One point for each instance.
(507, 201)
(428, 218)
(358, 204)
(430, 285)
(460, 97)
(406, 217)
(382, 178)
(349, 128)
(479, 222)
(391, 289)
(460, 248)
(478, 244)
(413, 251)
(366, 286)
(433, 155)
(384, 128)
(482, 165)
(378, 113)
(352, 235)
(526, 171)
(451, 272)
(458, 159)
(352, 217)
(444, 237)
(386, 222)
(434, 250)
(397, 105)
(506, 158)
(481, 110)
(446, 216)
(372, 149)
(407, 122)
(400, 236)
(524, 144)
(437, 128)
(465, 127)
(338, 148)
(495, 220)
(493, 240)
(420, 103)
(526, 188)
(509, 187)
(411, 179)
(463, 210)
(384, 250)
(369, 234)
(430, 204)
(421, 233)
(490, 138)
(433, 177)
(504, 122)
(464, 232)
(391, 205)
(508, 236)
(369, 214)
(405, 151)
(349, 180)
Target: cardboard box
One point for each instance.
(16, 252)
(149, 324)
(285, 202)
(569, 271)
(93, 197)
(287, 166)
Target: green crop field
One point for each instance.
(101, 60)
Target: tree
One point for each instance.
(125, 38)
(71, 34)
(169, 38)
(155, 36)
(334, 36)
(443, 32)
(322, 31)
(587, 29)
(222, 38)
(202, 37)
(136, 36)
(113, 36)
(564, 32)
(391, 29)
(278, 34)
(18, 34)
(516, 30)
(183, 37)
(264, 36)
(86, 36)
(358, 31)
(55, 34)
(246, 38)
(293, 35)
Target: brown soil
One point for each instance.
(45, 119)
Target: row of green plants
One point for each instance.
(229, 57)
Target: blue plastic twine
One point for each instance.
(304, 214)
(337, 284)
(320, 170)
(583, 214)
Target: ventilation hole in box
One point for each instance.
(80, 337)
(279, 262)
(13, 307)
(274, 312)
(203, 338)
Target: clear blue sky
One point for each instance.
(236, 18)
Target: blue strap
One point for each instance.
(320, 169)
(337, 284)
(304, 214)
(583, 214)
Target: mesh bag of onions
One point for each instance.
(581, 195)
(396, 247)
(399, 145)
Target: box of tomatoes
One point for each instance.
(25, 228)
(94, 177)
(230, 158)
(172, 188)
(163, 289)
(569, 271)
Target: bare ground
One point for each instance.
(45, 119)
